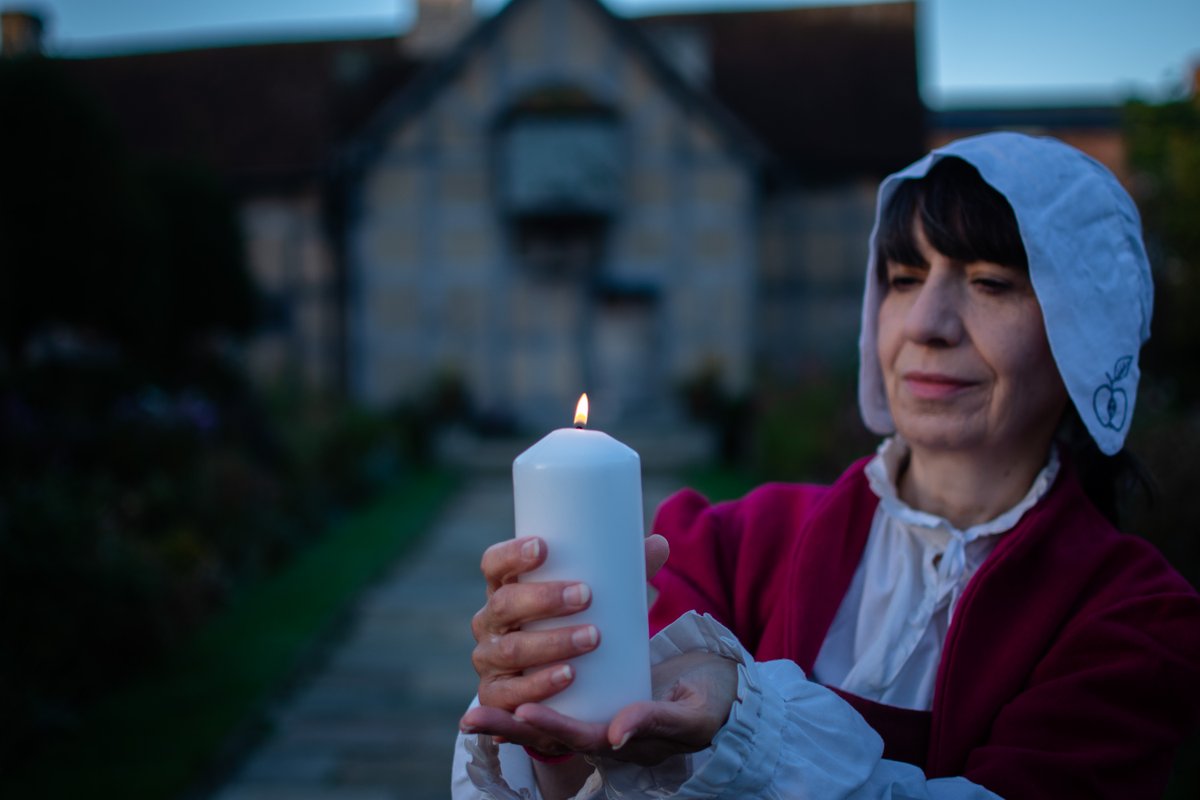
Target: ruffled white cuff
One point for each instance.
(785, 738)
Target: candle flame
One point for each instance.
(581, 411)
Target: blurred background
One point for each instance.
(278, 279)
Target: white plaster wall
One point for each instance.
(290, 261)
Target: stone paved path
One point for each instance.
(377, 720)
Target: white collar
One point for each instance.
(883, 470)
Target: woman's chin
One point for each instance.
(941, 436)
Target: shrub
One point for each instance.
(128, 513)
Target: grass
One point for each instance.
(154, 739)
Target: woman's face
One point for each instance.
(965, 360)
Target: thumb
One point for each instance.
(657, 551)
(627, 723)
(655, 719)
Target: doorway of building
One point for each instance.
(627, 376)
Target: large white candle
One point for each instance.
(581, 492)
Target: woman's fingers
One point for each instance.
(517, 668)
(507, 665)
(679, 723)
(504, 561)
(539, 726)
(535, 726)
(569, 734)
(504, 653)
(637, 719)
(695, 689)
(522, 650)
(695, 692)
(515, 604)
(503, 725)
(508, 691)
(657, 551)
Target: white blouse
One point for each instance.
(886, 639)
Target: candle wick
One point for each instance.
(578, 426)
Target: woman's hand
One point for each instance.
(693, 692)
(503, 652)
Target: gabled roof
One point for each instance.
(829, 93)
(429, 82)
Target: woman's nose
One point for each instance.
(935, 317)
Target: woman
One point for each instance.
(952, 618)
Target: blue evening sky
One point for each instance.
(971, 50)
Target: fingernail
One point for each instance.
(561, 676)
(468, 729)
(577, 594)
(624, 740)
(531, 549)
(585, 638)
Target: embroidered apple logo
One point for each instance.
(1110, 402)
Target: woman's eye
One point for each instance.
(994, 285)
(902, 281)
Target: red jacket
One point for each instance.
(1071, 667)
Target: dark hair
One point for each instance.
(962, 216)
(1113, 483)
(966, 219)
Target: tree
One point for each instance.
(70, 221)
(146, 257)
(1164, 153)
(199, 283)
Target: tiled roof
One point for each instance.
(832, 91)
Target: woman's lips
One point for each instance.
(934, 386)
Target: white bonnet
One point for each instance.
(1087, 263)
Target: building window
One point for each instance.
(559, 245)
(560, 163)
(559, 178)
